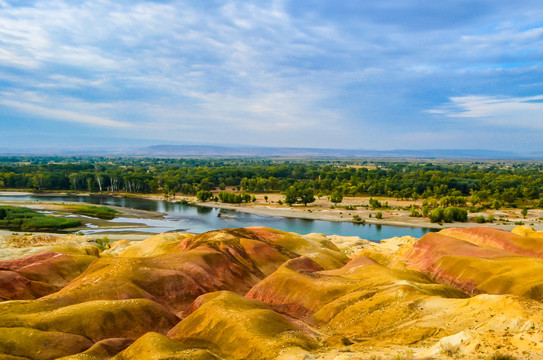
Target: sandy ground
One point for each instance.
(322, 210)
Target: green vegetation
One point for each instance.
(336, 197)
(375, 204)
(101, 212)
(475, 185)
(232, 198)
(204, 195)
(480, 182)
(299, 195)
(23, 218)
(448, 214)
(102, 243)
(358, 220)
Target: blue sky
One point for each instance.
(388, 74)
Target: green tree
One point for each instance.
(425, 211)
(497, 204)
(307, 196)
(524, 212)
(378, 215)
(291, 196)
(509, 195)
(336, 197)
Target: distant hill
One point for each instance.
(256, 151)
(209, 150)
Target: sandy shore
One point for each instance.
(392, 217)
(322, 209)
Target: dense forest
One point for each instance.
(453, 183)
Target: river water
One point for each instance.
(197, 219)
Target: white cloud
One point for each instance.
(64, 115)
(514, 112)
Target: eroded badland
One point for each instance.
(259, 293)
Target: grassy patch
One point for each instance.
(23, 218)
(100, 212)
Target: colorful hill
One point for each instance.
(259, 293)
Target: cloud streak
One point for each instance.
(515, 112)
(64, 115)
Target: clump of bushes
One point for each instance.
(448, 214)
(357, 219)
(23, 218)
(481, 219)
(232, 198)
(415, 212)
(204, 195)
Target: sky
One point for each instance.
(389, 74)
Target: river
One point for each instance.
(197, 219)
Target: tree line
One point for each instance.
(298, 180)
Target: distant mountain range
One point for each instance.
(207, 150)
(255, 151)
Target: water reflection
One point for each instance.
(203, 210)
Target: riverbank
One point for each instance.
(323, 210)
(126, 217)
(390, 217)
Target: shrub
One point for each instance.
(375, 204)
(415, 213)
(357, 219)
(497, 204)
(450, 214)
(436, 215)
(204, 195)
(479, 219)
(102, 243)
